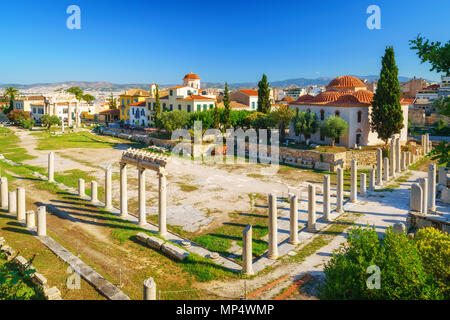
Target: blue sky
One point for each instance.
(236, 41)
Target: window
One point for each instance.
(164, 106)
(123, 112)
(171, 92)
(189, 108)
(253, 104)
(179, 107)
(308, 110)
(322, 115)
(142, 112)
(128, 101)
(171, 107)
(34, 110)
(128, 112)
(205, 107)
(322, 137)
(199, 107)
(211, 106)
(337, 113)
(359, 116)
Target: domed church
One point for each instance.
(348, 98)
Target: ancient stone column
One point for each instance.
(386, 169)
(4, 192)
(354, 181)
(108, 182)
(326, 198)
(247, 257)
(293, 219)
(427, 138)
(81, 188)
(123, 191)
(402, 161)
(273, 227)
(379, 167)
(442, 176)
(432, 187)
(69, 119)
(149, 289)
(397, 155)
(423, 144)
(12, 202)
(41, 221)
(77, 116)
(51, 166)
(162, 202)
(62, 126)
(416, 201)
(340, 190)
(372, 179)
(21, 204)
(311, 208)
(142, 208)
(392, 153)
(31, 219)
(94, 198)
(423, 182)
(362, 185)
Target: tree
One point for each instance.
(49, 120)
(174, 120)
(259, 120)
(21, 118)
(306, 123)
(263, 95)
(333, 127)
(77, 92)
(216, 123)
(10, 94)
(387, 115)
(112, 102)
(282, 116)
(88, 98)
(441, 153)
(433, 52)
(226, 103)
(157, 111)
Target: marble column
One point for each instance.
(21, 204)
(432, 187)
(293, 219)
(372, 179)
(392, 161)
(4, 192)
(423, 182)
(311, 208)
(379, 167)
(162, 202)
(69, 115)
(423, 144)
(402, 161)
(123, 191)
(81, 188)
(51, 167)
(77, 116)
(41, 221)
(108, 187)
(397, 155)
(94, 197)
(273, 227)
(362, 185)
(340, 190)
(149, 289)
(326, 198)
(142, 200)
(30, 219)
(12, 202)
(442, 176)
(416, 201)
(354, 181)
(247, 256)
(386, 169)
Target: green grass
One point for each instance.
(81, 139)
(9, 146)
(186, 187)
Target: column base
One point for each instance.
(273, 256)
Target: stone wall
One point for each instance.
(417, 220)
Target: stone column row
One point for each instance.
(4, 192)
(51, 167)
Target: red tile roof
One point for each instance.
(249, 92)
(138, 104)
(197, 97)
(406, 101)
(191, 76)
(345, 82)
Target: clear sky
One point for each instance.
(236, 41)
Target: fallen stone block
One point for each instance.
(21, 262)
(155, 243)
(142, 237)
(173, 251)
(39, 280)
(52, 293)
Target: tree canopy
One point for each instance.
(433, 52)
(333, 127)
(263, 95)
(305, 123)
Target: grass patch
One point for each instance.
(82, 139)
(186, 187)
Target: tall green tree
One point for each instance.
(387, 115)
(226, 103)
(157, 111)
(88, 98)
(333, 127)
(77, 92)
(263, 95)
(433, 52)
(112, 102)
(10, 94)
(282, 116)
(305, 123)
(216, 123)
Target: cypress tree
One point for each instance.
(226, 103)
(263, 95)
(387, 115)
(216, 123)
(157, 111)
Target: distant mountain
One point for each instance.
(108, 86)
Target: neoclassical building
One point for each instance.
(348, 98)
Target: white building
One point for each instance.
(247, 97)
(138, 114)
(346, 97)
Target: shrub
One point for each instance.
(403, 275)
(434, 248)
(174, 120)
(21, 118)
(333, 127)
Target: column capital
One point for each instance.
(162, 171)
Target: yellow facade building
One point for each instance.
(129, 97)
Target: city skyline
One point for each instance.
(143, 42)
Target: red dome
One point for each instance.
(364, 96)
(305, 98)
(345, 82)
(327, 96)
(191, 76)
(347, 99)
